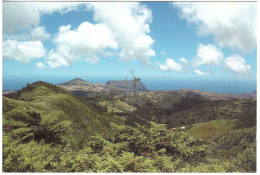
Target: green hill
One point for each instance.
(53, 104)
(214, 128)
(242, 109)
(47, 129)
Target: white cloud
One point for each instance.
(93, 60)
(22, 16)
(238, 65)
(19, 16)
(233, 24)
(208, 55)
(129, 22)
(85, 41)
(39, 33)
(23, 51)
(36, 33)
(170, 65)
(40, 65)
(55, 60)
(183, 61)
(21, 22)
(122, 28)
(109, 53)
(198, 72)
(61, 7)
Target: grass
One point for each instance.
(244, 110)
(214, 128)
(10, 104)
(85, 122)
(117, 106)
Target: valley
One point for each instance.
(78, 126)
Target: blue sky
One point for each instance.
(155, 39)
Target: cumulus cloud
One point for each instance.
(238, 65)
(93, 60)
(85, 41)
(21, 30)
(236, 28)
(23, 16)
(198, 72)
(36, 33)
(211, 55)
(170, 64)
(121, 28)
(109, 54)
(23, 51)
(129, 22)
(208, 55)
(41, 65)
(55, 60)
(183, 61)
(39, 33)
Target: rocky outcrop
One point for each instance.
(128, 85)
(78, 84)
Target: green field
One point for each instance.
(214, 128)
(117, 106)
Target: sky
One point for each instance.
(156, 40)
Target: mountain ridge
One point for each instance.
(50, 99)
(132, 85)
(83, 89)
(79, 84)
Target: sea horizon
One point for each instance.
(177, 83)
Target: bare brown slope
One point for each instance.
(81, 85)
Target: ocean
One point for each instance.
(235, 86)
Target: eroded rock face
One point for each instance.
(128, 85)
(82, 85)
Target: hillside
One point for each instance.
(83, 89)
(129, 85)
(217, 96)
(78, 84)
(242, 109)
(175, 107)
(47, 129)
(162, 99)
(213, 128)
(49, 100)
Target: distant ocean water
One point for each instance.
(218, 86)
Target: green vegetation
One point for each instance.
(214, 128)
(117, 106)
(127, 149)
(244, 110)
(53, 102)
(46, 129)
